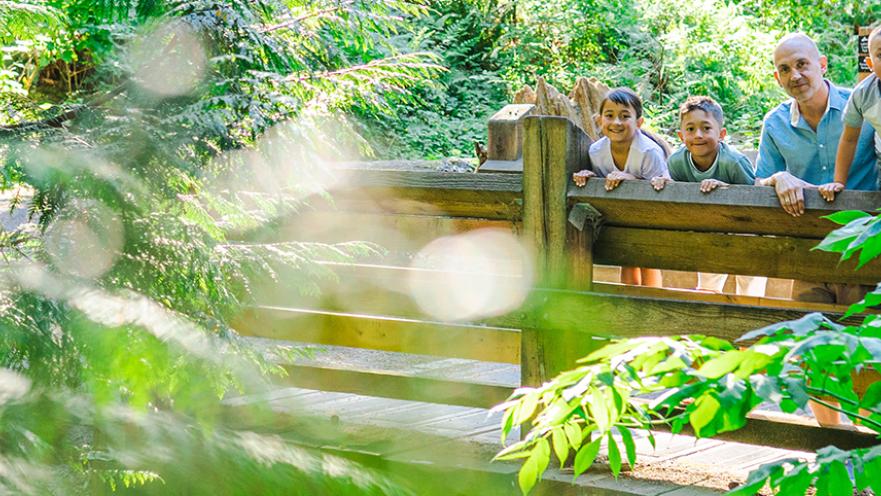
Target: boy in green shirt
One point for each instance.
(706, 159)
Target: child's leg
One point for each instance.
(708, 281)
(631, 275)
(750, 285)
(652, 277)
(825, 416)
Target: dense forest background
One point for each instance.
(664, 49)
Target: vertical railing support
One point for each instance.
(553, 149)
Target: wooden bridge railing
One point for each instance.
(739, 230)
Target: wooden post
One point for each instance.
(863, 52)
(505, 139)
(553, 149)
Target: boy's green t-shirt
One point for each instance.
(730, 166)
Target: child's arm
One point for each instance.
(847, 146)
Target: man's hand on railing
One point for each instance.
(582, 176)
(790, 191)
(615, 178)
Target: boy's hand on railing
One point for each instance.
(708, 185)
(582, 176)
(828, 190)
(615, 178)
(659, 182)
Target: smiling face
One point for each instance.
(701, 133)
(799, 68)
(619, 122)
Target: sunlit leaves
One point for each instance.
(861, 232)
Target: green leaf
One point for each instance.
(507, 423)
(705, 410)
(800, 327)
(526, 407)
(629, 445)
(573, 434)
(870, 250)
(796, 482)
(722, 364)
(586, 455)
(872, 299)
(600, 410)
(834, 480)
(838, 240)
(846, 216)
(614, 456)
(872, 471)
(872, 397)
(757, 478)
(561, 446)
(534, 466)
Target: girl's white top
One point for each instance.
(644, 161)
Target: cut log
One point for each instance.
(525, 95)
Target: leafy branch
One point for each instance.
(710, 385)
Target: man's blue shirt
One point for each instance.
(789, 144)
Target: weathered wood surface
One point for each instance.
(374, 288)
(390, 231)
(492, 344)
(398, 385)
(505, 132)
(603, 315)
(773, 256)
(556, 149)
(735, 209)
(486, 195)
(727, 299)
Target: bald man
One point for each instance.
(797, 151)
(800, 137)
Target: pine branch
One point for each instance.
(58, 121)
(299, 19)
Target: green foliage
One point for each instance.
(709, 386)
(666, 50)
(152, 142)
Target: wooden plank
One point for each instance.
(730, 299)
(735, 209)
(382, 289)
(362, 188)
(393, 384)
(361, 178)
(790, 258)
(602, 316)
(492, 344)
(457, 203)
(393, 232)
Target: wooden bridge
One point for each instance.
(390, 365)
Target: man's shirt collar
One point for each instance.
(833, 100)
